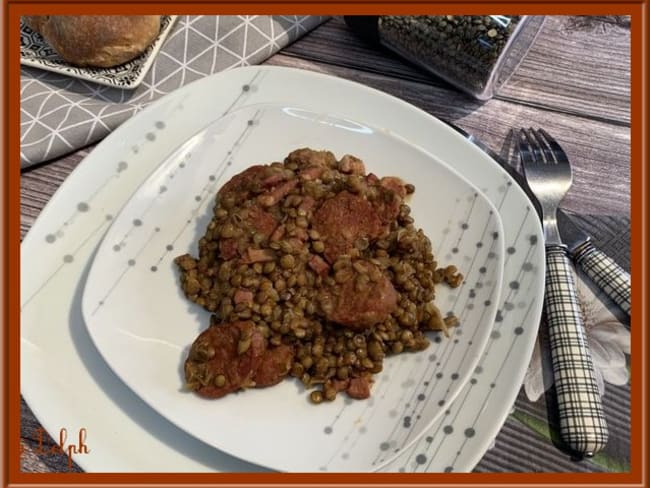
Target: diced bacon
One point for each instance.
(311, 173)
(318, 264)
(340, 385)
(227, 248)
(394, 184)
(278, 233)
(253, 255)
(273, 196)
(352, 165)
(274, 179)
(243, 296)
(359, 388)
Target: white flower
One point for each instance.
(607, 335)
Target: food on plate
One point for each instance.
(311, 268)
(97, 40)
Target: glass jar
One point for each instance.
(476, 53)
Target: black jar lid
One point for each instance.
(365, 26)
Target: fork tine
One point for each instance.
(544, 147)
(525, 148)
(559, 153)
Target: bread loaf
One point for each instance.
(97, 40)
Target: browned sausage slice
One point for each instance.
(224, 358)
(342, 220)
(275, 365)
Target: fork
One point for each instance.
(583, 427)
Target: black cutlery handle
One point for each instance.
(608, 275)
(583, 427)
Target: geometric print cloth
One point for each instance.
(60, 114)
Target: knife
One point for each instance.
(602, 269)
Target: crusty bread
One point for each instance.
(97, 40)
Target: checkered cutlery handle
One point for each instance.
(608, 275)
(582, 423)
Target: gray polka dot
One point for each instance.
(212, 178)
(509, 183)
(327, 430)
(162, 189)
(401, 469)
(122, 165)
(345, 455)
(473, 381)
(197, 198)
(151, 136)
(154, 268)
(479, 285)
(83, 207)
(246, 88)
(157, 229)
(492, 385)
(495, 235)
(323, 468)
(101, 302)
(131, 262)
(514, 285)
(464, 226)
(420, 459)
(455, 341)
(487, 303)
(437, 339)
(392, 413)
(533, 240)
(479, 245)
(117, 247)
(109, 217)
(229, 163)
(501, 189)
(491, 255)
(50, 238)
(449, 469)
(448, 429)
(519, 330)
(522, 305)
(482, 270)
(384, 446)
(445, 230)
(454, 376)
(407, 422)
(478, 369)
(472, 293)
(527, 266)
(137, 222)
(438, 375)
(421, 397)
(459, 331)
(432, 357)
(135, 149)
(429, 439)
(251, 122)
(441, 403)
(454, 250)
(447, 412)
(511, 250)
(160, 124)
(469, 306)
(508, 306)
(470, 432)
(169, 247)
(495, 334)
(68, 258)
(363, 429)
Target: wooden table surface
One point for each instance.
(575, 82)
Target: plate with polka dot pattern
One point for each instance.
(133, 282)
(127, 435)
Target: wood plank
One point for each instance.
(578, 65)
(599, 152)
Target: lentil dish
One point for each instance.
(311, 269)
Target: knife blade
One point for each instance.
(600, 268)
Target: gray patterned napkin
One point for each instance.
(60, 114)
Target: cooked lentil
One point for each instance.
(326, 263)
